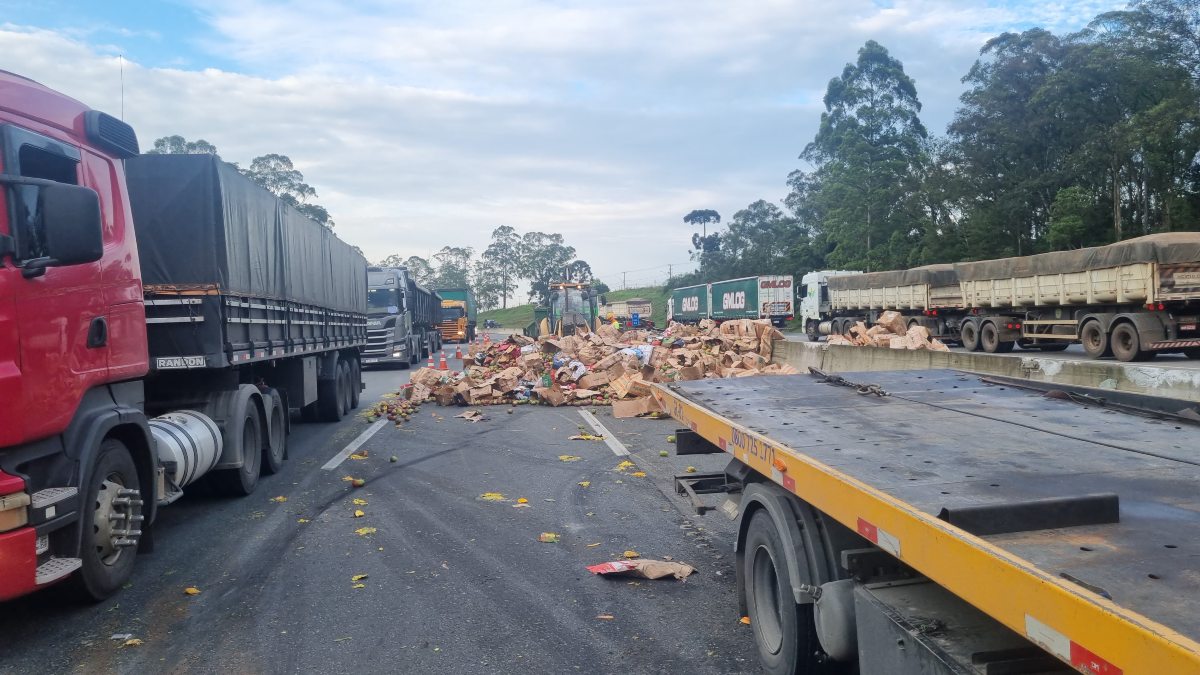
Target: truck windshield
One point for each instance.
(383, 300)
(453, 313)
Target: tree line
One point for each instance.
(510, 258)
(1059, 142)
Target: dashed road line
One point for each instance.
(354, 445)
(611, 441)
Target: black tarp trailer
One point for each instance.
(241, 290)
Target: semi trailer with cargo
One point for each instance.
(1133, 299)
(929, 296)
(160, 317)
(885, 526)
(631, 313)
(765, 297)
(402, 319)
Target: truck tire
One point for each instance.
(107, 562)
(275, 440)
(1094, 340)
(246, 429)
(1192, 353)
(811, 332)
(1126, 344)
(784, 631)
(355, 383)
(969, 332)
(989, 340)
(344, 393)
(329, 395)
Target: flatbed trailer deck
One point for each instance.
(988, 492)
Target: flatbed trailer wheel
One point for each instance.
(969, 332)
(1094, 340)
(784, 631)
(111, 523)
(246, 429)
(1192, 353)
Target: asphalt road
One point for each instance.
(1071, 353)
(455, 583)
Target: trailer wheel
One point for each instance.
(275, 440)
(989, 339)
(784, 631)
(344, 386)
(111, 513)
(1192, 353)
(811, 330)
(242, 481)
(969, 332)
(1094, 340)
(329, 395)
(355, 383)
(1127, 344)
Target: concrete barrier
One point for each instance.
(1177, 383)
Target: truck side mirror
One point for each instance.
(70, 228)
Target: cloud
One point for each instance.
(428, 124)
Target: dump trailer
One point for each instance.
(631, 313)
(885, 526)
(402, 318)
(163, 317)
(1133, 299)
(928, 296)
(688, 304)
(467, 298)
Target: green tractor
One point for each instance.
(572, 304)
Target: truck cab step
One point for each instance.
(56, 568)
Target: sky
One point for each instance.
(428, 124)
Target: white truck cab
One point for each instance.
(813, 298)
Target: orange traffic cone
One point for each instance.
(442, 365)
(431, 365)
(457, 352)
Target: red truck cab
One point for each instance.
(72, 345)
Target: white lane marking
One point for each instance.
(354, 445)
(611, 441)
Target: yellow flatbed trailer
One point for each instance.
(929, 521)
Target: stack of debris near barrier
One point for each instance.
(602, 367)
(889, 331)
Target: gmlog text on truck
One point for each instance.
(160, 317)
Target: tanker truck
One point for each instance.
(160, 317)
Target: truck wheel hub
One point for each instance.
(116, 525)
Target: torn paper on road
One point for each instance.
(645, 569)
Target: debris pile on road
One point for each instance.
(601, 367)
(890, 332)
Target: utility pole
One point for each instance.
(669, 276)
(622, 281)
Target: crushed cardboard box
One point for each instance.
(889, 332)
(601, 367)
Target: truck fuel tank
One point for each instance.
(189, 441)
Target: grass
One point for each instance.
(520, 315)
